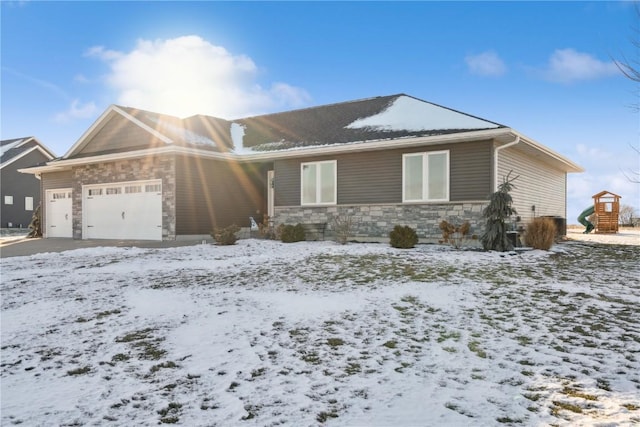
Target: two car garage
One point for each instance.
(123, 210)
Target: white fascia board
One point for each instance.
(96, 125)
(569, 165)
(149, 129)
(49, 152)
(101, 121)
(501, 135)
(379, 145)
(24, 153)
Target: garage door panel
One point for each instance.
(130, 211)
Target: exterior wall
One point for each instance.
(370, 190)
(376, 176)
(19, 185)
(375, 222)
(538, 184)
(52, 181)
(214, 193)
(119, 134)
(129, 170)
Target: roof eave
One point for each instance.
(569, 166)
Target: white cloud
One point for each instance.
(586, 152)
(569, 65)
(188, 75)
(77, 110)
(486, 64)
(81, 78)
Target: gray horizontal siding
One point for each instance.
(20, 185)
(53, 180)
(212, 193)
(376, 176)
(120, 134)
(538, 184)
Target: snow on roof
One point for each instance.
(410, 114)
(7, 147)
(185, 135)
(237, 137)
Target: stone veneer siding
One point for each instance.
(129, 170)
(375, 222)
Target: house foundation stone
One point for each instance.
(375, 222)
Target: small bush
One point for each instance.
(403, 237)
(343, 228)
(292, 233)
(456, 235)
(226, 236)
(540, 233)
(267, 230)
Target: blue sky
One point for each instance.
(542, 68)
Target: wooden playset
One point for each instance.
(606, 206)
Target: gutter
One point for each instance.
(495, 159)
(325, 150)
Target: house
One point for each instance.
(20, 193)
(386, 160)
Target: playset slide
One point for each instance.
(582, 219)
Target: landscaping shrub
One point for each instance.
(292, 233)
(456, 235)
(226, 236)
(540, 233)
(403, 237)
(343, 228)
(267, 230)
(497, 213)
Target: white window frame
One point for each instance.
(28, 203)
(8, 200)
(425, 176)
(319, 187)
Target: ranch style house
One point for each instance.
(386, 161)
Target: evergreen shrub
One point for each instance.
(497, 214)
(403, 237)
(292, 233)
(226, 236)
(540, 233)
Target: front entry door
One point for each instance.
(58, 214)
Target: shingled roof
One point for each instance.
(372, 119)
(13, 149)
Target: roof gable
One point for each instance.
(122, 129)
(14, 149)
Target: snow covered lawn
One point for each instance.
(265, 333)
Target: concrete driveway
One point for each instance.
(25, 247)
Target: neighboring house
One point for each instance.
(20, 193)
(387, 160)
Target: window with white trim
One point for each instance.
(318, 183)
(153, 188)
(131, 189)
(8, 200)
(28, 203)
(425, 177)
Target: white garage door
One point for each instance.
(58, 213)
(123, 210)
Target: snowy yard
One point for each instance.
(265, 333)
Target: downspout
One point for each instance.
(495, 160)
